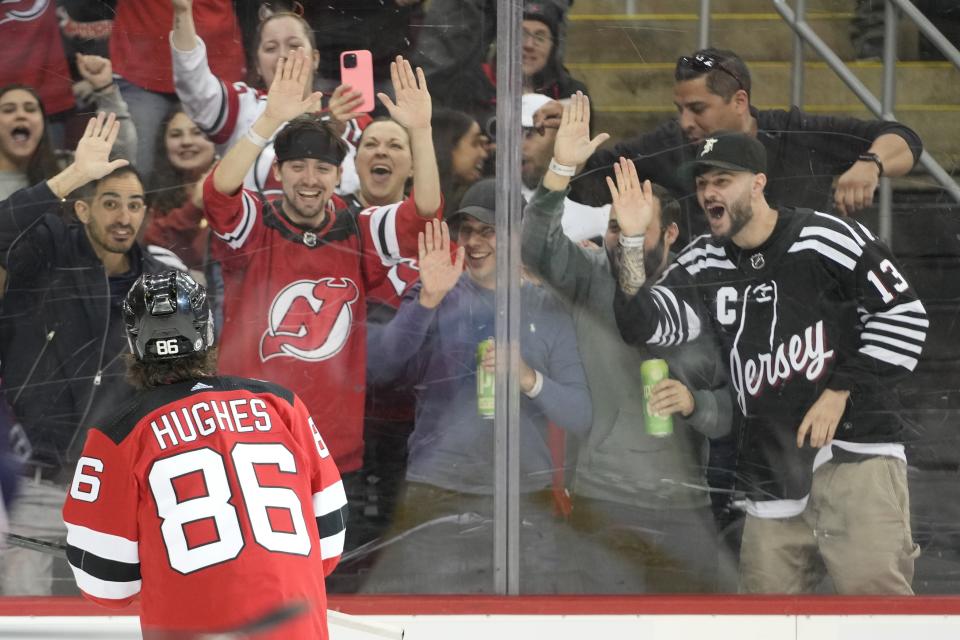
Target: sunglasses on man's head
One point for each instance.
(703, 63)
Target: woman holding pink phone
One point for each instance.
(225, 111)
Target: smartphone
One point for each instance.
(356, 70)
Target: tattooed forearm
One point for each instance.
(632, 272)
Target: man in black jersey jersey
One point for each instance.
(818, 326)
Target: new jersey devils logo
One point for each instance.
(310, 319)
(29, 10)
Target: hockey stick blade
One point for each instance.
(35, 544)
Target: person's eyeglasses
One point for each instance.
(539, 39)
(703, 63)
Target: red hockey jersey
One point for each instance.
(295, 300)
(216, 501)
(140, 44)
(31, 52)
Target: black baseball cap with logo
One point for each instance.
(726, 150)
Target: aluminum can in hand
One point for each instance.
(652, 372)
(485, 382)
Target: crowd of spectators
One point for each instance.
(351, 257)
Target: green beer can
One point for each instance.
(485, 382)
(652, 372)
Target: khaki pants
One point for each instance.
(856, 528)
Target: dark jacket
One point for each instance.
(804, 154)
(61, 334)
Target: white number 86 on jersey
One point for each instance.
(216, 505)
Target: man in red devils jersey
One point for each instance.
(212, 498)
(818, 325)
(298, 270)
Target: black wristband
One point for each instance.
(870, 156)
(103, 88)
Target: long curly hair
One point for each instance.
(167, 188)
(43, 163)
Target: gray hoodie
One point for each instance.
(618, 461)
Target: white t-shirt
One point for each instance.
(580, 221)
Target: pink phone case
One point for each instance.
(360, 76)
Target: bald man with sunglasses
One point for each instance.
(712, 92)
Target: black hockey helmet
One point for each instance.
(166, 316)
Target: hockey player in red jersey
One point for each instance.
(212, 498)
(297, 270)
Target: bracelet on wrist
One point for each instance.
(256, 138)
(565, 170)
(631, 241)
(869, 156)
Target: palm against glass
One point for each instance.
(573, 144)
(92, 157)
(285, 99)
(632, 202)
(438, 274)
(413, 108)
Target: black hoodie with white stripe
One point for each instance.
(820, 304)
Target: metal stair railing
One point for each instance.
(881, 108)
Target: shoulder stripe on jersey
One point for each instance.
(332, 546)
(876, 325)
(835, 237)
(678, 323)
(889, 357)
(105, 545)
(352, 132)
(825, 250)
(383, 229)
(699, 242)
(666, 326)
(866, 231)
(330, 509)
(709, 263)
(101, 568)
(236, 238)
(333, 523)
(901, 310)
(868, 336)
(856, 236)
(692, 253)
(103, 588)
(329, 500)
(220, 120)
(916, 318)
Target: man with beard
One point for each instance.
(298, 269)
(640, 503)
(712, 92)
(818, 326)
(62, 328)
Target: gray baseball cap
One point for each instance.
(480, 202)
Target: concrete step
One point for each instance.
(938, 126)
(588, 7)
(652, 37)
(651, 84)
